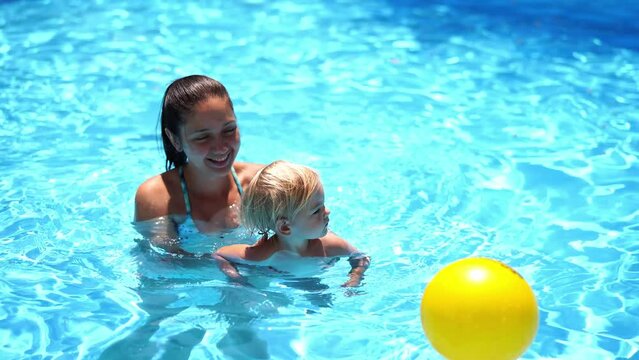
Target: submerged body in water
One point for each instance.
(174, 287)
(293, 265)
(288, 270)
(180, 235)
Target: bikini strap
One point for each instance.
(237, 181)
(185, 192)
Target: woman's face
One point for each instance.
(210, 136)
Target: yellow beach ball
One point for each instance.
(479, 309)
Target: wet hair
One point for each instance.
(278, 191)
(179, 99)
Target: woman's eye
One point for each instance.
(230, 131)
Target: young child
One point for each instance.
(287, 201)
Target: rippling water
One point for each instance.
(442, 130)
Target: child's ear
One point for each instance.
(283, 226)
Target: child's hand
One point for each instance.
(352, 282)
(352, 289)
(359, 264)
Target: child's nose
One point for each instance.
(326, 211)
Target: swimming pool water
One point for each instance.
(441, 129)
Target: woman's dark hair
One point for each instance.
(179, 99)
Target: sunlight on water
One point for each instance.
(441, 131)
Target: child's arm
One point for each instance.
(336, 246)
(359, 263)
(230, 252)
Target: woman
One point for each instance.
(202, 185)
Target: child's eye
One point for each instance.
(230, 131)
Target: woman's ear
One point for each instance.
(283, 226)
(175, 141)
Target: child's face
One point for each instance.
(312, 221)
(210, 136)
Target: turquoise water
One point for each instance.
(442, 130)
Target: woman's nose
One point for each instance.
(218, 146)
(326, 211)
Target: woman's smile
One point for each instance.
(219, 161)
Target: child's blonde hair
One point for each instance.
(278, 191)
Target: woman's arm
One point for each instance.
(246, 171)
(152, 209)
(153, 197)
(222, 256)
(227, 268)
(161, 232)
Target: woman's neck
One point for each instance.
(205, 184)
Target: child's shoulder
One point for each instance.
(257, 252)
(334, 245)
(260, 251)
(232, 252)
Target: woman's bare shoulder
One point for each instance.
(153, 196)
(246, 171)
